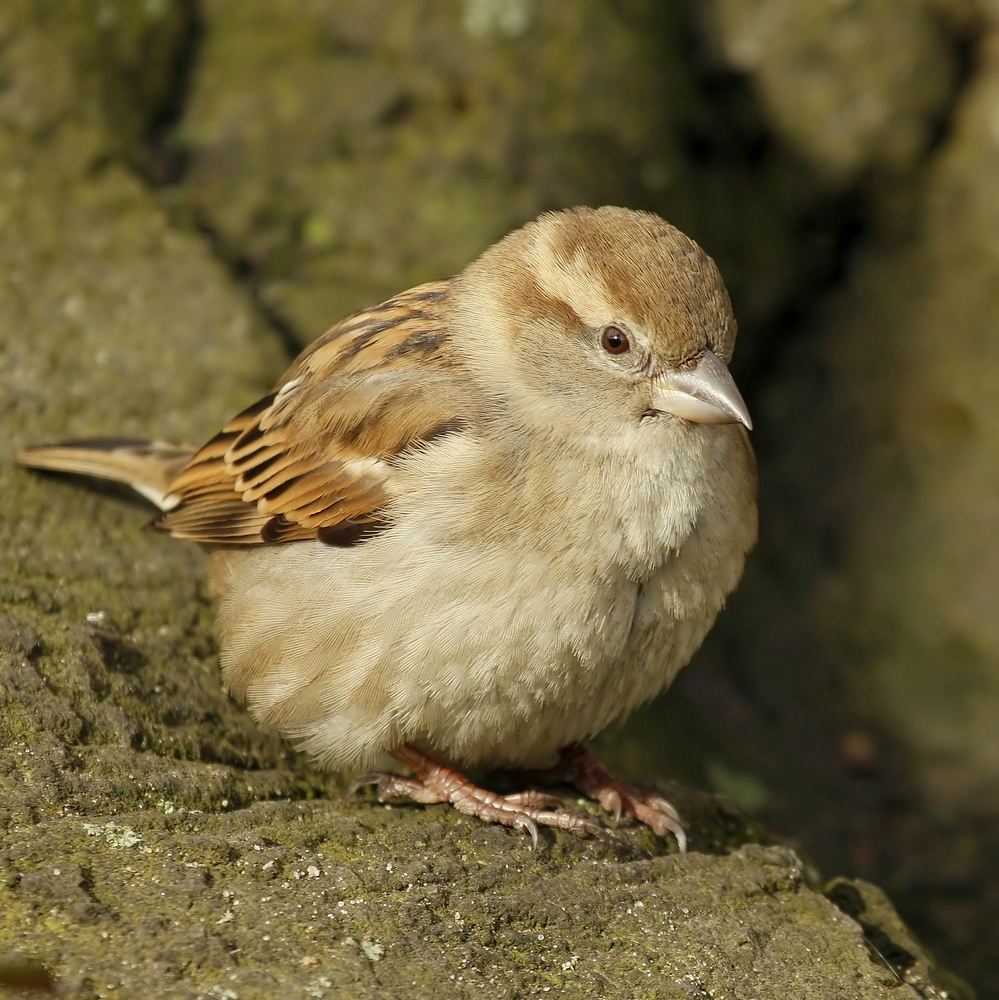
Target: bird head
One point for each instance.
(600, 320)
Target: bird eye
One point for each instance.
(615, 341)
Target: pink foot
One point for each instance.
(433, 782)
(580, 767)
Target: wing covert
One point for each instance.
(313, 458)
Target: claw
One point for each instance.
(433, 782)
(611, 801)
(580, 767)
(660, 816)
(526, 811)
(396, 786)
(371, 778)
(529, 826)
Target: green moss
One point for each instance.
(240, 899)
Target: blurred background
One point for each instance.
(838, 158)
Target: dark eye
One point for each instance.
(615, 341)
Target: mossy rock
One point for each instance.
(329, 900)
(341, 152)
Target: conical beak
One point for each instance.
(704, 394)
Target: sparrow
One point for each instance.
(475, 524)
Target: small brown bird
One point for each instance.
(473, 525)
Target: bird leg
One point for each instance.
(580, 767)
(434, 782)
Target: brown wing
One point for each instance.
(313, 458)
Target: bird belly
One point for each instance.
(492, 657)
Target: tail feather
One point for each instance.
(148, 467)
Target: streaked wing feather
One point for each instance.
(313, 459)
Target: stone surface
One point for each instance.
(329, 901)
(111, 322)
(911, 355)
(340, 152)
(919, 572)
(850, 85)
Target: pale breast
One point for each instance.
(489, 642)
